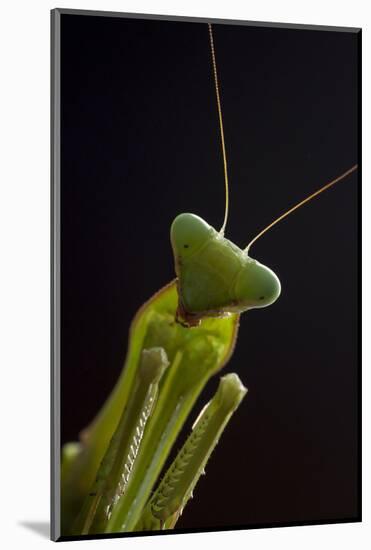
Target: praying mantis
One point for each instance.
(181, 337)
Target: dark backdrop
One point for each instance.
(140, 144)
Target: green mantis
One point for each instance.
(114, 480)
(193, 356)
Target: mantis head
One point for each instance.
(215, 277)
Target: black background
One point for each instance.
(140, 144)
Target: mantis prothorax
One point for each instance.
(109, 478)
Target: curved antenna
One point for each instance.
(221, 129)
(301, 203)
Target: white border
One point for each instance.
(25, 260)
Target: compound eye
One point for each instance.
(257, 286)
(188, 232)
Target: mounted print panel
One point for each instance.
(206, 214)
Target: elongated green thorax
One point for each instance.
(215, 277)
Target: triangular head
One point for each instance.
(215, 277)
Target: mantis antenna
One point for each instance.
(301, 203)
(221, 129)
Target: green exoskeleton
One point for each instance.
(215, 277)
(193, 356)
(178, 339)
(165, 506)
